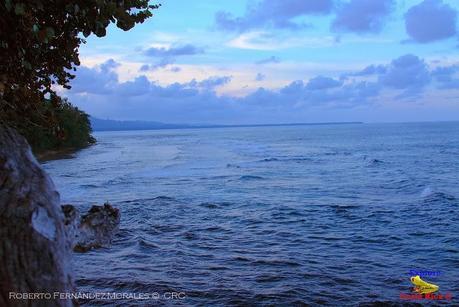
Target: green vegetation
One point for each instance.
(39, 44)
(71, 129)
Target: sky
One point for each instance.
(276, 61)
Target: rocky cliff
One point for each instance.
(35, 250)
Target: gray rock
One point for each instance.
(71, 222)
(35, 250)
(95, 229)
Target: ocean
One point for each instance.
(337, 215)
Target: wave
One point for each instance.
(89, 186)
(145, 246)
(374, 162)
(285, 159)
(119, 181)
(439, 197)
(269, 160)
(189, 235)
(250, 177)
(426, 192)
(215, 205)
(160, 198)
(344, 206)
(277, 262)
(209, 205)
(164, 198)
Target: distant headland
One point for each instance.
(121, 125)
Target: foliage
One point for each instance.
(72, 128)
(39, 43)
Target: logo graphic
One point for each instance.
(424, 290)
(423, 287)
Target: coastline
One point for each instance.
(58, 154)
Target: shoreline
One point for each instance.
(58, 154)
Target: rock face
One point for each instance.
(94, 229)
(35, 250)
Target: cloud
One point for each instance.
(173, 51)
(271, 59)
(144, 68)
(176, 69)
(260, 77)
(371, 70)
(299, 96)
(362, 16)
(167, 56)
(411, 75)
(140, 98)
(408, 73)
(103, 80)
(447, 77)
(138, 87)
(211, 82)
(109, 65)
(260, 40)
(198, 102)
(98, 80)
(99, 91)
(162, 63)
(431, 20)
(278, 14)
(320, 83)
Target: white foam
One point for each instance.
(426, 192)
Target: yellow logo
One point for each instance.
(422, 286)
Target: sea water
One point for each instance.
(329, 214)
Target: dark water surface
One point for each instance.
(334, 215)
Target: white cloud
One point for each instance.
(259, 40)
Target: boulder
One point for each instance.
(95, 229)
(71, 222)
(35, 251)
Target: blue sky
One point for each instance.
(277, 61)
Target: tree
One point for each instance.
(39, 43)
(73, 129)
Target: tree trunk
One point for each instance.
(34, 248)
